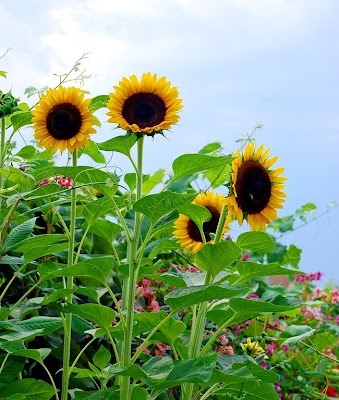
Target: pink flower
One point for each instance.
(223, 339)
(155, 306)
(146, 282)
(162, 348)
(285, 347)
(264, 365)
(252, 296)
(44, 182)
(335, 296)
(315, 276)
(329, 352)
(245, 257)
(138, 308)
(337, 320)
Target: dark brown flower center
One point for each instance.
(253, 187)
(64, 121)
(208, 226)
(144, 110)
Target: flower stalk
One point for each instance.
(69, 285)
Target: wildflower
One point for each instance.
(147, 106)
(330, 391)
(62, 120)
(335, 296)
(255, 190)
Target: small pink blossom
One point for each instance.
(44, 182)
(285, 347)
(155, 306)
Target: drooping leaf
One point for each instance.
(156, 206)
(96, 209)
(39, 241)
(97, 313)
(98, 102)
(196, 213)
(47, 325)
(11, 369)
(152, 181)
(106, 229)
(93, 151)
(35, 354)
(27, 152)
(37, 252)
(158, 368)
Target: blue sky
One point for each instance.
(235, 63)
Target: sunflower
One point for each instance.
(62, 120)
(255, 189)
(253, 348)
(148, 106)
(187, 231)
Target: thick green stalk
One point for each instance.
(68, 324)
(129, 284)
(2, 152)
(198, 329)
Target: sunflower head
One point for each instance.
(8, 104)
(255, 188)
(252, 348)
(147, 107)
(187, 231)
(62, 120)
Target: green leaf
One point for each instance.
(40, 192)
(17, 235)
(181, 185)
(294, 333)
(3, 74)
(211, 148)
(309, 207)
(184, 297)
(47, 325)
(165, 244)
(63, 293)
(250, 270)
(37, 252)
(27, 152)
(106, 229)
(97, 313)
(218, 176)
(39, 241)
(18, 335)
(97, 268)
(11, 369)
(192, 163)
(246, 309)
(152, 181)
(196, 213)
(37, 355)
(102, 357)
(14, 176)
(251, 391)
(217, 257)
(138, 393)
(93, 151)
(156, 206)
(120, 144)
(197, 370)
(96, 209)
(31, 388)
(292, 256)
(98, 102)
(256, 241)
(21, 119)
(11, 260)
(158, 368)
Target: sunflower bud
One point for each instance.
(8, 104)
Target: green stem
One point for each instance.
(209, 391)
(108, 333)
(221, 224)
(129, 286)
(51, 379)
(2, 153)
(60, 219)
(11, 281)
(215, 335)
(81, 243)
(123, 322)
(24, 296)
(145, 342)
(4, 362)
(79, 355)
(68, 327)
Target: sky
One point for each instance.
(236, 63)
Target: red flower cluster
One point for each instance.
(330, 392)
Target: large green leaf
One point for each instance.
(196, 213)
(184, 297)
(106, 229)
(156, 206)
(31, 388)
(17, 235)
(14, 176)
(97, 268)
(216, 257)
(21, 119)
(250, 270)
(197, 370)
(11, 369)
(191, 163)
(250, 391)
(96, 209)
(152, 181)
(246, 309)
(46, 324)
(256, 241)
(120, 144)
(26, 152)
(39, 241)
(97, 313)
(37, 355)
(37, 252)
(158, 368)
